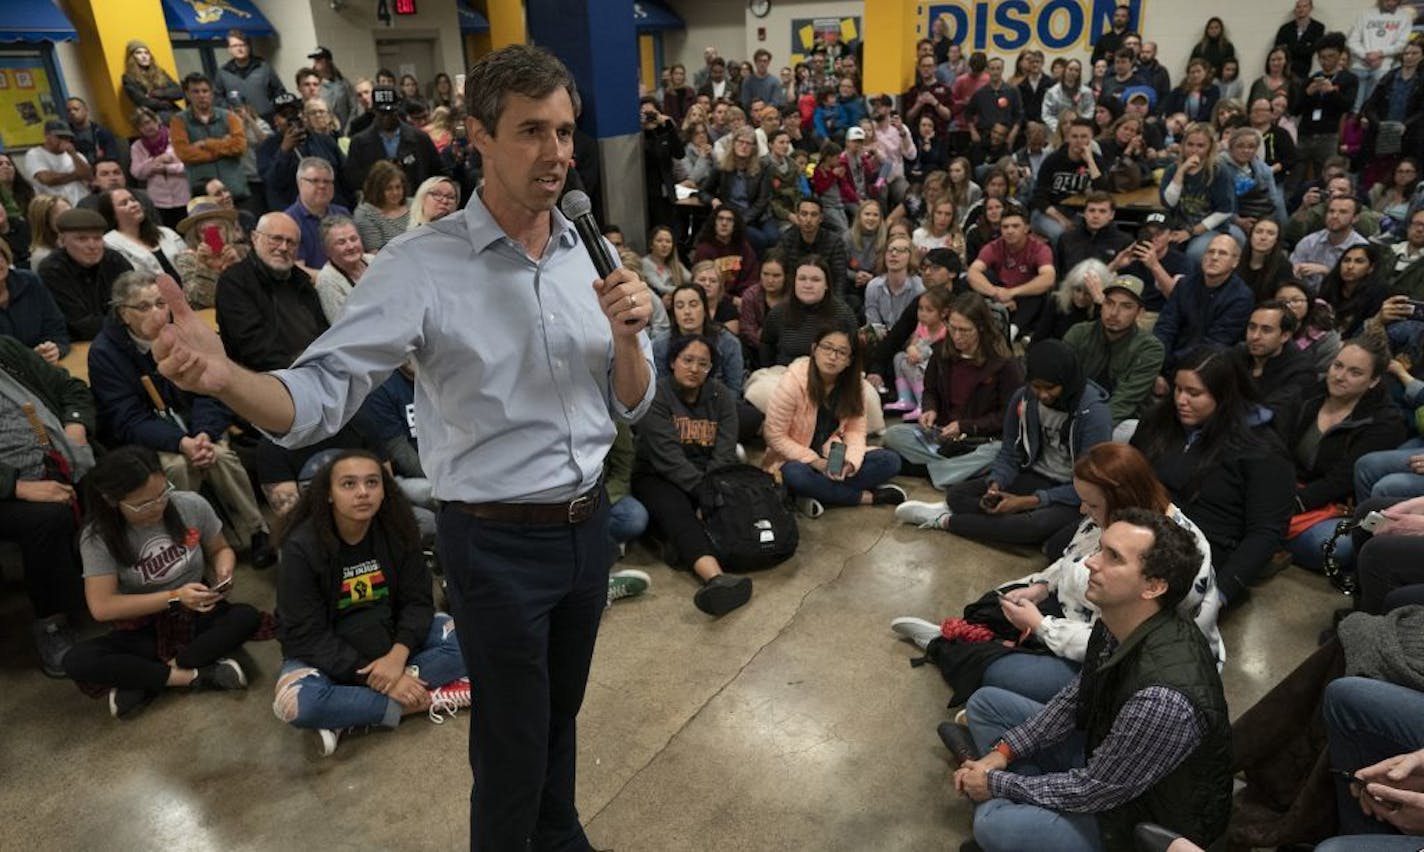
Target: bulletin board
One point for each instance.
(27, 101)
(806, 32)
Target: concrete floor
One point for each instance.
(794, 723)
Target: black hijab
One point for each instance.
(1053, 361)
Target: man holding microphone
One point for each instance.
(518, 387)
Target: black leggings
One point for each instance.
(45, 534)
(1031, 527)
(675, 514)
(128, 659)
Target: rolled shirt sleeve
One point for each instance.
(514, 392)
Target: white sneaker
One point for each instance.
(810, 507)
(329, 737)
(917, 630)
(923, 514)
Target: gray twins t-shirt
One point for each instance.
(163, 564)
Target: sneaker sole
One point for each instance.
(720, 600)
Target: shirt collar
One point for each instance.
(485, 231)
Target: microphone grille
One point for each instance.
(575, 203)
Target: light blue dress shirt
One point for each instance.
(514, 379)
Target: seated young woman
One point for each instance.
(757, 301)
(690, 317)
(190, 433)
(817, 416)
(155, 562)
(690, 429)
(1218, 454)
(969, 379)
(1347, 417)
(791, 328)
(1108, 478)
(723, 240)
(362, 644)
(1028, 494)
(1315, 334)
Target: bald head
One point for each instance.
(276, 240)
(1220, 259)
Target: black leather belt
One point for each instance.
(575, 511)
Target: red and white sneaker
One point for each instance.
(449, 698)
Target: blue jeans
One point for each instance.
(1046, 226)
(627, 519)
(1386, 473)
(1003, 825)
(1371, 843)
(1305, 548)
(1037, 677)
(307, 698)
(1367, 721)
(764, 235)
(875, 470)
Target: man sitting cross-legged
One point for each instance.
(1141, 735)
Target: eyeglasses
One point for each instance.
(897, 250)
(145, 307)
(449, 197)
(140, 508)
(837, 351)
(274, 239)
(698, 364)
(320, 181)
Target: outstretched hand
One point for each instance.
(186, 348)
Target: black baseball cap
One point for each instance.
(1154, 223)
(385, 99)
(320, 53)
(286, 101)
(59, 128)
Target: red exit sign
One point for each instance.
(405, 7)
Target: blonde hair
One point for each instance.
(43, 234)
(417, 204)
(1213, 148)
(728, 163)
(151, 77)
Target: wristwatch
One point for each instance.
(175, 604)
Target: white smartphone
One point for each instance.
(221, 588)
(1372, 522)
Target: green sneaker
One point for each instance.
(628, 583)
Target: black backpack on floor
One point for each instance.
(746, 516)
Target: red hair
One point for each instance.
(1125, 477)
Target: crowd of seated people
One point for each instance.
(954, 262)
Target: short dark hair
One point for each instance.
(195, 78)
(1125, 52)
(239, 35)
(519, 69)
(810, 199)
(760, 52)
(716, 61)
(1335, 40)
(1173, 557)
(1083, 122)
(1012, 209)
(1289, 323)
(76, 98)
(1098, 196)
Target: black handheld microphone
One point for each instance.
(579, 210)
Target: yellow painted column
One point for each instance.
(889, 27)
(507, 25)
(105, 28)
(647, 70)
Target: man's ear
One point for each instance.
(1156, 588)
(477, 134)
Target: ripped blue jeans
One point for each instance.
(307, 698)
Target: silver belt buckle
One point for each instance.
(577, 505)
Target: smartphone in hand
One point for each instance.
(835, 462)
(221, 588)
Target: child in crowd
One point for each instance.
(910, 364)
